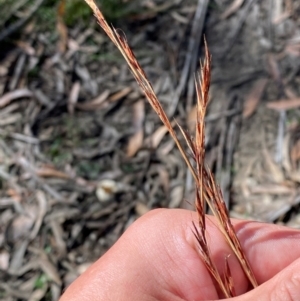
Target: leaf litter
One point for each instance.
(53, 162)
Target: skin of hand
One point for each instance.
(157, 259)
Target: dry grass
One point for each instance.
(207, 192)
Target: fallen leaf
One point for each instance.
(254, 97)
(274, 68)
(294, 176)
(21, 226)
(284, 104)
(119, 95)
(39, 294)
(10, 96)
(10, 119)
(154, 140)
(167, 148)
(285, 15)
(26, 47)
(47, 172)
(41, 198)
(83, 267)
(275, 171)
(14, 194)
(290, 93)
(164, 178)
(61, 27)
(292, 50)
(136, 140)
(272, 189)
(4, 260)
(235, 5)
(49, 269)
(286, 158)
(295, 153)
(141, 208)
(73, 97)
(134, 144)
(94, 104)
(176, 196)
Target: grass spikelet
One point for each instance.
(207, 191)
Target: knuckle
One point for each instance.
(288, 289)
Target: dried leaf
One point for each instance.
(119, 95)
(272, 189)
(295, 153)
(294, 175)
(136, 140)
(48, 171)
(274, 68)
(21, 226)
(14, 194)
(10, 96)
(235, 5)
(284, 104)
(292, 50)
(254, 97)
(275, 171)
(286, 158)
(155, 139)
(164, 178)
(28, 49)
(49, 269)
(41, 198)
(10, 119)
(290, 93)
(4, 260)
(141, 208)
(94, 104)
(61, 27)
(176, 196)
(73, 97)
(135, 143)
(39, 293)
(60, 242)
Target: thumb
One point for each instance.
(283, 286)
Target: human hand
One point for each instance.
(157, 259)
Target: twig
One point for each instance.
(230, 40)
(222, 114)
(18, 24)
(10, 96)
(13, 10)
(191, 54)
(17, 72)
(280, 136)
(20, 137)
(29, 168)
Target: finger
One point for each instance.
(269, 248)
(284, 286)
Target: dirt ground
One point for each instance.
(82, 154)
